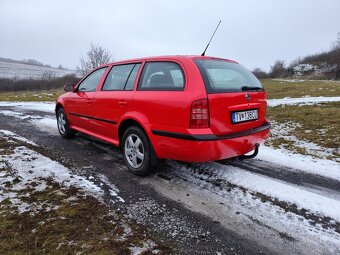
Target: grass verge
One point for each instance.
(277, 88)
(303, 128)
(31, 96)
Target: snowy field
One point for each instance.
(24, 71)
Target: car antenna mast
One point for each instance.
(203, 54)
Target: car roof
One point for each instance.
(171, 57)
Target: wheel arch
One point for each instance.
(57, 107)
(125, 124)
(130, 121)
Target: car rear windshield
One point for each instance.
(222, 76)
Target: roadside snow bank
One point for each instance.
(10, 134)
(34, 106)
(24, 166)
(323, 167)
(46, 123)
(287, 192)
(301, 101)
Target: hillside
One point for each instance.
(13, 69)
(324, 65)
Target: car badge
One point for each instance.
(248, 97)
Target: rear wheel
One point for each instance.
(138, 152)
(63, 125)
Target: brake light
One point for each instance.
(199, 114)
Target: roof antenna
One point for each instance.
(203, 54)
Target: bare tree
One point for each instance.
(336, 44)
(259, 73)
(278, 69)
(95, 57)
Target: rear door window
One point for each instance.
(121, 77)
(162, 76)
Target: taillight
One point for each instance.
(199, 114)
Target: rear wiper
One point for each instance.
(245, 88)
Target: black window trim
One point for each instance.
(134, 65)
(84, 78)
(141, 77)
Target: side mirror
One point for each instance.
(69, 87)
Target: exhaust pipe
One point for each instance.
(256, 151)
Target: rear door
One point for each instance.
(236, 97)
(113, 100)
(79, 102)
(161, 96)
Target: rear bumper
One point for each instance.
(202, 148)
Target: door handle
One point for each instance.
(89, 100)
(122, 103)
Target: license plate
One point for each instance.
(243, 116)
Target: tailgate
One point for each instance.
(237, 101)
(236, 111)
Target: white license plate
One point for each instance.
(244, 116)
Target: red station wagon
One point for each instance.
(187, 108)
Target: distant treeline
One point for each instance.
(325, 65)
(45, 83)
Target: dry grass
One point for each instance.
(283, 88)
(28, 96)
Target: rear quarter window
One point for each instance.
(162, 76)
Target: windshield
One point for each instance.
(222, 76)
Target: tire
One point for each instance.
(138, 153)
(63, 125)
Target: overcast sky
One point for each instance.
(253, 32)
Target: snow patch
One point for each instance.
(34, 106)
(323, 167)
(301, 101)
(29, 166)
(284, 130)
(146, 246)
(45, 124)
(112, 188)
(13, 135)
(319, 204)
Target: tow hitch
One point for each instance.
(256, 151)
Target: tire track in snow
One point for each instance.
(309, 205)
(286, 174)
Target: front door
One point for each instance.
(80, 101)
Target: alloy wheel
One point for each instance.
(134, 151)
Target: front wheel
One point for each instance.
(138, 152)
(63, 125)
